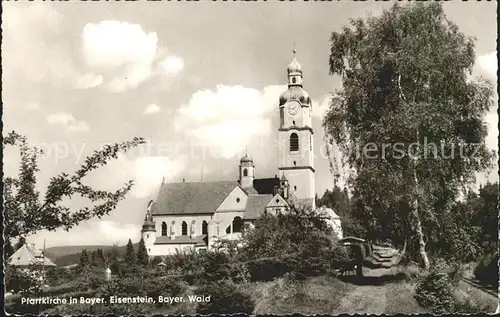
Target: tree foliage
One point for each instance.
(409, 120)
(130, 258)
(84, 259)
(338, 200)
(299, 242)
(27, 211)
(142, 254)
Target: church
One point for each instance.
(195, 215)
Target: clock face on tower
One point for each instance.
(293, 108)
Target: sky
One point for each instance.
(200, 81)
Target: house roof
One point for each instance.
(28, 255)
(197, 240)
(266, 185)
(191, 197)
(256, 204)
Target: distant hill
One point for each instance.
(67, 255)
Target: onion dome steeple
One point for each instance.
(148, 224)
(294, 67)
(295, 79)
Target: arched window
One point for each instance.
(204, 228)
(193, 227)
(245, 172)
(163, 229)
(184, 228)
(294, 142)
(228, 229)
(237, 224)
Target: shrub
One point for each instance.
(225, 298)
(27, 281)
(89, 279)
(58, 275)
(298, 242)
(434, 291)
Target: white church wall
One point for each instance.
(235, 201)
(168, 249)
(198, 221)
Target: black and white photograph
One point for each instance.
(250, 157)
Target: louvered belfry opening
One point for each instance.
(294, 142)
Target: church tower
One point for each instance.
(247, 171)
(148, 232)
(295, 135)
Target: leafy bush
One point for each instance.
(486, 270)
(59, 275)
(225, 298)
(299, 242)
(434, 291)
(23, 281)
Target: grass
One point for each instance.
(400, 299)
(472, 300)
(319, 295)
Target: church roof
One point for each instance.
(246, 159)
(295, 93)
(28, 255)
(266, 185)
(191, 197)
(197, 240)
(256, 205)
(294, 67)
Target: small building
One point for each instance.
(28, 256)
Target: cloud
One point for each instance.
(152, 108)
(32, 50)
(321, 108)
(171, 65)
(147, 171)
(127, 53)
(67, 120)
(150, 171)
(228, 118)
(88, 80)
(488, 63)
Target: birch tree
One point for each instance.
(409, 119)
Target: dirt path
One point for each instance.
(366, 299)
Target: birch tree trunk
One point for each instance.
(416, 215)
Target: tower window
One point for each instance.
(163, 229)
(295, 188)
(294, 80)
(184, 228)
(294, 163)
(293, 122)
(238, 200)
(294, 142)
(147, 236)
(245, 172)
(204, 228)
(237, 224)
